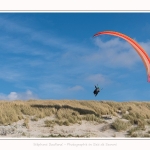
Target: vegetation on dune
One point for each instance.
(73, 111)
(120, 125)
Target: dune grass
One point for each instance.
(26, 123)
(73, 111)
(120, 125)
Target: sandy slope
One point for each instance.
(87, 129)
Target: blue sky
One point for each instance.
(54, 56)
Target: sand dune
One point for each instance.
(110, 120)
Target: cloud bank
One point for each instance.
(18, 96)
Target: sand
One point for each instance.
(85, 129)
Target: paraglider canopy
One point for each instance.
(144, 56)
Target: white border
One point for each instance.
(74, 5)
(68, 144)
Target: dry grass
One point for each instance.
(26, 123)
(135, 131)
(92, 117)
(73, 111)
(120, 125)
(49, 123)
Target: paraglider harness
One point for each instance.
(96, 91)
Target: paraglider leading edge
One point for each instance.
(144, 56)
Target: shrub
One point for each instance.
(120, 125)
(92, 117)
(134, 135)
(59, 122)
(26, 121)
(132, 130)
(66, 123)
(49, 123)
(146, 135)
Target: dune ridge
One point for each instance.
(74, 118)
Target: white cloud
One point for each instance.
(76, 88)
(146, 46)
(13, 96)
(114, 53)
(115, 42)
(18, 96)
(99, 79)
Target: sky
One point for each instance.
(54, 55)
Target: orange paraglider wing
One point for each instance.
(144, 56)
